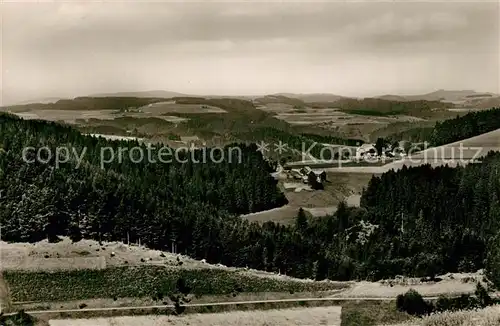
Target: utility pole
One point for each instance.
(402, 223)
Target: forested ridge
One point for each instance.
(88, 103)
(452, 130)
(123, 190)
(416, 221)
(437, 219)
(243, 122)
(469, 125)
(377, 106)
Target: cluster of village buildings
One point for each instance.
(307, 175)
(368, 151)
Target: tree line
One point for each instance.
(381, 107)
(469, 125)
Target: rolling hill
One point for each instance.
(154, 93)
(441, 95)
(314, 97)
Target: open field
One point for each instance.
(27, 256)
(336, 117)
(144, 281)
(284, 215)
(159, 110)
(4, 295)
(286, 317)
(139, 283)
(400, 128)
(489, 316)
(478, 145)
(79, 117)
(18, 257)
(173, 107)
(277, 108)
(40, 272)
(360, 126)
(332, 119)
(345, 313)
(354, 130)
(69, 116)
(339, 187)
(371, 313)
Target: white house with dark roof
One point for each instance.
(366, 150)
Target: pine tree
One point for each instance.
(301, 222)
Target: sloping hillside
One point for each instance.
(376, 106)
(89, 104)
(268, 99)
(313, 97)
(154, 93)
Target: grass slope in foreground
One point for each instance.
(348, 314)
(145, 281)
(489, 316)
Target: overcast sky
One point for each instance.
(227, 48)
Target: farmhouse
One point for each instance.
(303, 174)
(319, 174)
(296, 174)
(398, 151)
(366, 151)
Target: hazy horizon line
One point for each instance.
(112, 93)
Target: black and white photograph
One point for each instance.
(250, 163)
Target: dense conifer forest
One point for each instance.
(452, 130)
(416, 221)
(470, 125)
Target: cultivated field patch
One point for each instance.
(145, 281)
(173, 107)
(277, 108)
(68, 116)
(335, 118)
(489, 316)
(33, 273)
(339, 187)
(284, 215)
(31, 256)
(54, 264)
(321, 211)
